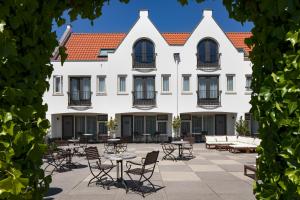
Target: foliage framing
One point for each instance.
(26, 45)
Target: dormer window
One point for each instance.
(103, 53)
(208, 55)
(143, 54)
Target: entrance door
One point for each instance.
(126, 127)
(67, 127)
(220, 124)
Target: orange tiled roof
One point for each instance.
(86, 46)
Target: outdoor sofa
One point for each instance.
(232, 143)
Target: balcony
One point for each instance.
(209, 98)
(144, 98)
(209, 66)
(144, 61)
(79, 98)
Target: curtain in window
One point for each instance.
(91, 125)
(229, 83)
(139, 125)
(150, 124)
(208, 124)
(165, 83)
(79, 125)
(102, 128)
(86, 88)
(197, 124)
(122, 82)
(185, 127)
(162, 127)
(58, 84)
(186, 83)
(139, 92)
(213, 88)
(208, 51)
(74, 89)
(144, 51)
(101, 84)
(248, 82)
(202, 88)
(150, 88)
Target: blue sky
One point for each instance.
(167, 15)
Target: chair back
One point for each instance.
(92, 153)
(151, 158)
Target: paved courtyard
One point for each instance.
(211, 175)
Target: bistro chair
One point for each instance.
(168, 150)
(144, 170)
(98, 169)
(82, 144)
(122, 146)
(55, 157)
(188, 147)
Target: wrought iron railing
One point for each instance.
(209, 66)
(144, 60)
(79, 98)
(209, 97)
(144, 98)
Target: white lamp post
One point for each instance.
(177, 61)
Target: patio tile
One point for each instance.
(206, 168)
(237, 197)
(179, 176)
(233, 168)
(230, 187)
(241, 176)
(170, 162)
(215, 176)
(225, 162)
(175, 168)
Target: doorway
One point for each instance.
(67, 127)
(220, 121)
(126, 126)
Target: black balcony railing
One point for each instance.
(80, 98)
(209, 66)
(209, 97)
(144, 98)
(143, 60)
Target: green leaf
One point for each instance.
(292, 106)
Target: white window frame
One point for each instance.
(233, 91)
(248, 91)
(118, 84)
(182, 82)
(61, 85)
(97, 86)
(162, 84)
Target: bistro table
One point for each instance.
(180, 144)
(69, 152)
(146, 137)
(115, 142)
(119, 159)
(88, 136)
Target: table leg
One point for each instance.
(120, 179)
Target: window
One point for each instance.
(186, 83)
(162, 127)
(80, 91)
(248, 82)
(208, 87)
(143, 54)
(101, 86)
(165, 83)
(196, 124)
(122, 83)
(230, 82)
(57, 85)
(103, 53)
(144, 87)
(208, 52)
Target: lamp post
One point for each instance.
(177, 61)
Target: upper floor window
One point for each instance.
(57, 84)
(121, 83)
(165, 83)
(207, 53)
(186, 83)
(101, 85)
(80, 91)
(230, 82)
(143, 54)
(248, 82)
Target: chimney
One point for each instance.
(207, 13)
(143, 13)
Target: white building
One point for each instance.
(144, 78)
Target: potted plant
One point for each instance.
(176, 124)
(112, 126)
(241, 127)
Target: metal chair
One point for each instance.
(144, 170)
(97, 168)
(55, 157)
(82, 144)
(168, 150)
(122, 146)
(189, 147)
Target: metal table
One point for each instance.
(119, 160)
(179, 144)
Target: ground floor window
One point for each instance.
(198, 124)
(150, 124)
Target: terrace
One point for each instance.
(210, 175)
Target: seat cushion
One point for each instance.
(138, 171)
(231, 138)
(221, 138)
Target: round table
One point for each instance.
(115, 142)
(179, 144)
(119, 160)
(88, 135)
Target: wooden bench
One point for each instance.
(251, 168)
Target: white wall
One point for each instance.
(119, 63)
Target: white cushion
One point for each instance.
(249, 140)
(210, 138)
(231, 138)
(256, 141)
(221, 138)
(242, 139)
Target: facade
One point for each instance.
(144, 78)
